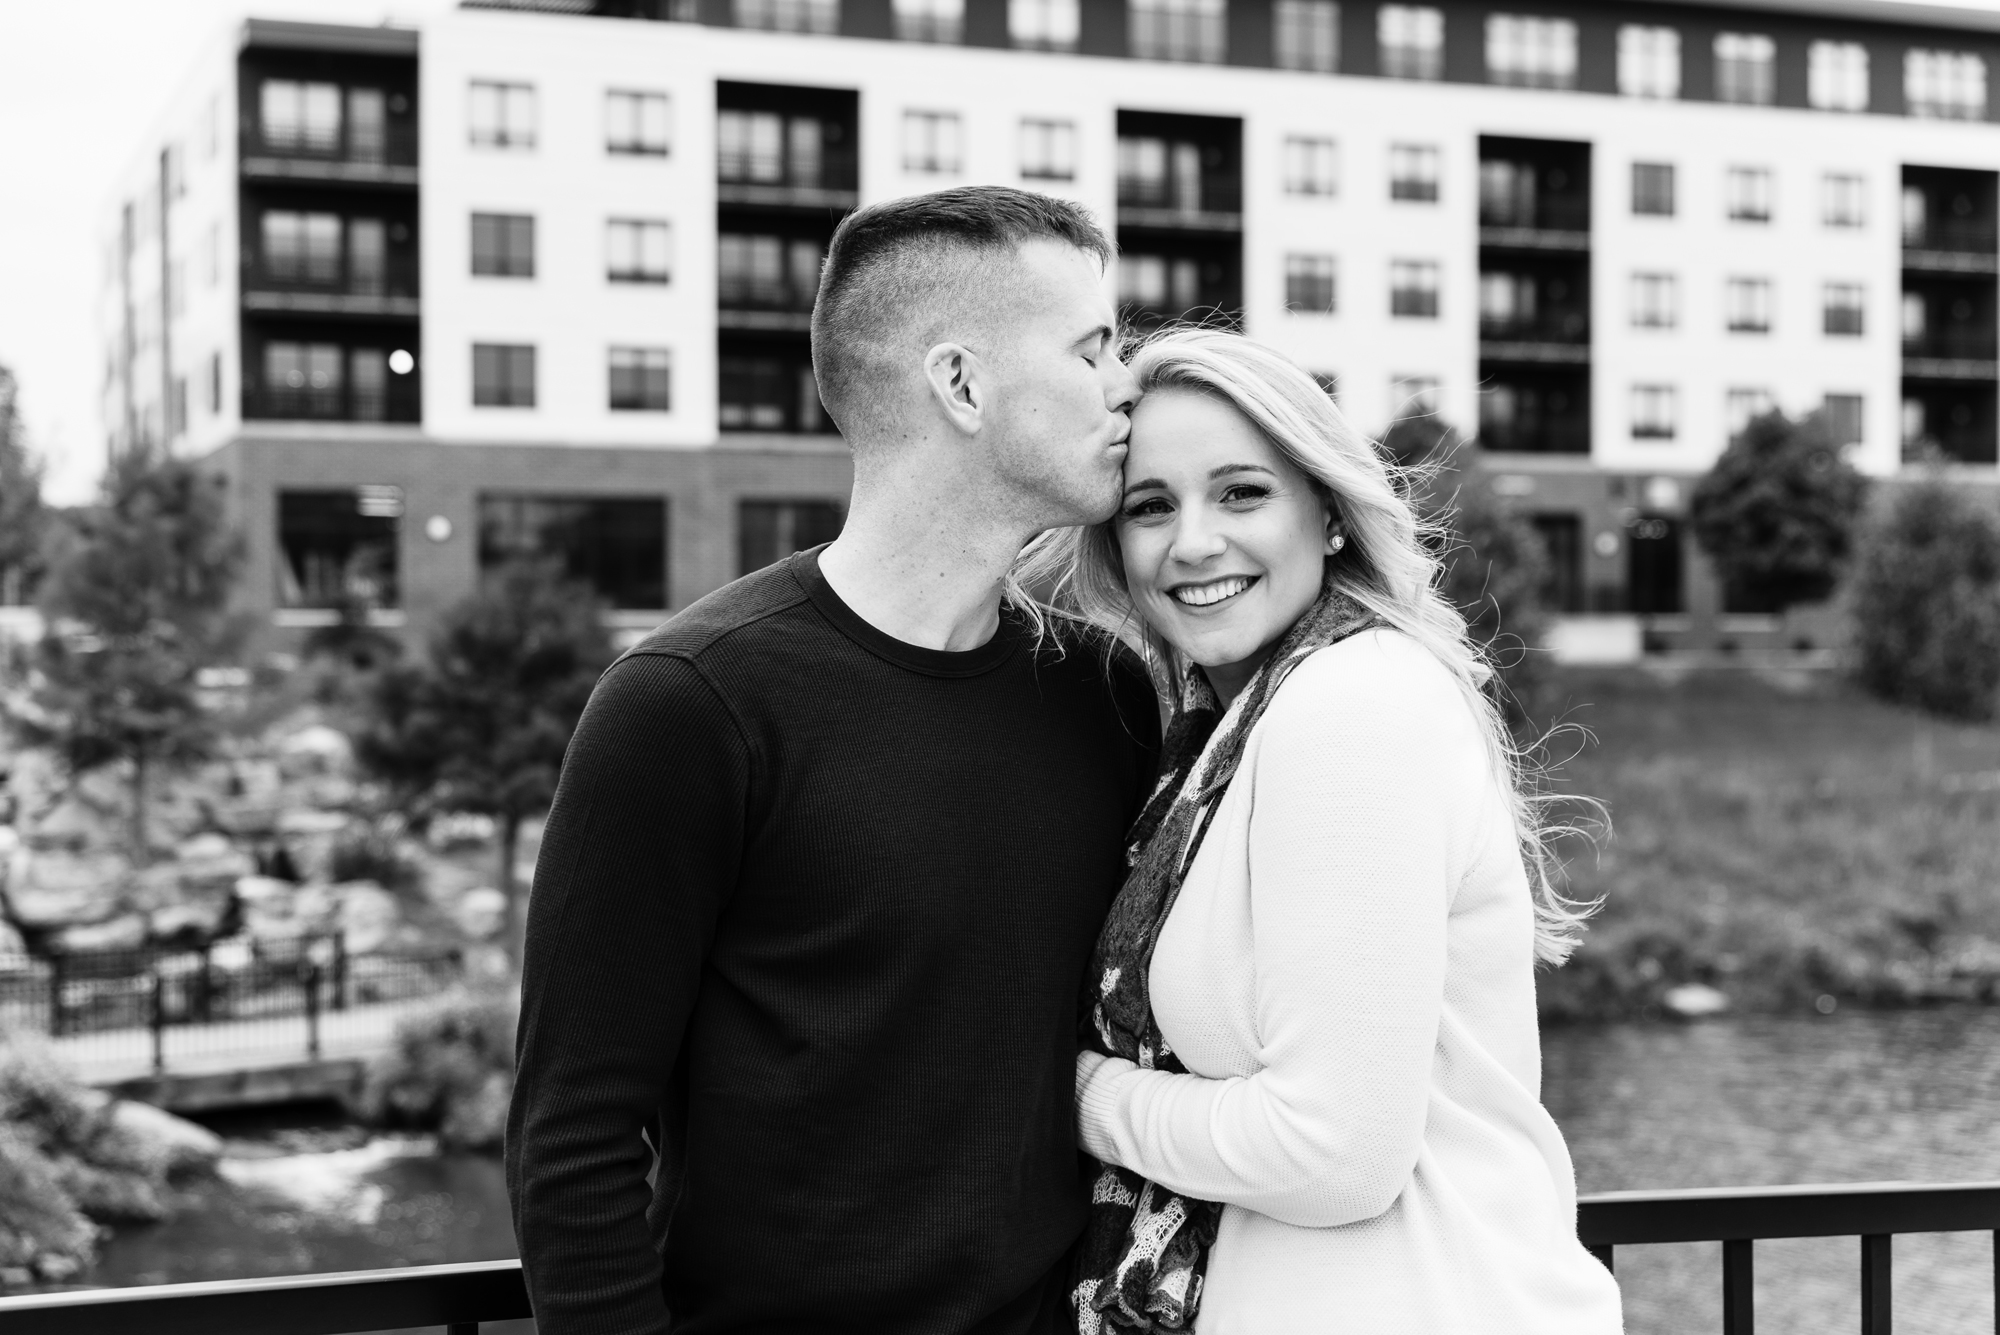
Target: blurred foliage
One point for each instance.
(450, 1071)
(481, 723)
(23, 517)
(1926, 603)
(136, 604)
(1777, 513)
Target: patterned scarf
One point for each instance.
(1145, 1249)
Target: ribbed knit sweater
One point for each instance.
(812, 911)
(1348, 972)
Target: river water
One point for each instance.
(1845, 1098)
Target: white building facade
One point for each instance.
(537, 283)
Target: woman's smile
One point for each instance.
(1214, 593)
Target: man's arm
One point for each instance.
(641, 851)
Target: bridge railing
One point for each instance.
(460, 1298)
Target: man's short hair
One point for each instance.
(895, 271)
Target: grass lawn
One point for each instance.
(1782, 838)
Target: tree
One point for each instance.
(1926, 604)
(135, 606)
(22, 515)
(1777, 513)
(482, 723)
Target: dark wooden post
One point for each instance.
(159, 1025)
(310, 975)
(1875, 1284)
(1739, 1316)
(340, 971)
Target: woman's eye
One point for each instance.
(1244, 493)
(1150, 508)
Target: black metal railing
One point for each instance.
(1738, 1217)
(1558, 213)
(333, 274)
(461, 1297)
(1549, 326)
(1953, 345)
(398, 401)
(391, 145)
(159, 1006)
(1561, 436)
(1166, 194)
(833, 168)
(1977, 236)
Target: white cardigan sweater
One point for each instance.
(1349, 972)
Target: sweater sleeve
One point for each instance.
(639, 855)
(1368, 761)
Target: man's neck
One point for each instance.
(920, 569)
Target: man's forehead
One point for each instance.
(1061, 281)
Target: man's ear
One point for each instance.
(957, 380)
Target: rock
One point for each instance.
(1692, 1001)
(481, 912)
(110, 1196)
(315, 750)
(52, 888)
(186, 1149)
(127, 932)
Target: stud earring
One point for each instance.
(1334, 545)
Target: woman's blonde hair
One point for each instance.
(1389, 565)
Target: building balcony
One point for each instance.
(1161, 204)
(386, 155)
(1562, 436)
(324, 285)
(826, 179)
(1560, 337)
(1970, 237)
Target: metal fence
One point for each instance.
(161, 1008)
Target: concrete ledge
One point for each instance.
(299, 1082)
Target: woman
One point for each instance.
(1318, 1095)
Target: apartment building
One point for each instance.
(537, 279)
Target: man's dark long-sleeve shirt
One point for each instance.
(813, 909)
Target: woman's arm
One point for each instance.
(1370, 776)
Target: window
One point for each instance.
(769, 394)
(214, 384)
(1656, 301)
(616, 545)
(1843, 200)
(1410, 39)
(1747, 192)
(813, 16)
(1562, 539)
(638, 124)
(1159, 282)
(1524, 51)
(1745, 68)
(1413, 395)
(1186, 30)
(637, 250)
(302, 248)
(502, 115)
(931, 142)
(641, 380)
(1740, 407)
(1048, 150)
(769, 531)
(1842, 308)
(1413, 172)
(1507, 304)
(765, 148)
(503, 375)
(1312, 166)
(1653, 189)
(302, 380)
(1944, 85)
(295, 117)
(1309, 287)
(1042, 25)
(930, 21)
(503, 245)
(1843, 419)
(1159, 173)
(1655, 412)
(367, 125)
(767, 272)
(339, 547)
(1413, 288)
(1649, 61)
(1916, 318)
(1837, 76)
(1747, 305)
(1306, 35)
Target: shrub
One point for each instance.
(1777, 513)
(1926, 604)
(373, 855)
(451, 1071)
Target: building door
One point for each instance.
(1653, 565)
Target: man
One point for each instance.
(832, 846)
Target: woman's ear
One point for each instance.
(1336, 531)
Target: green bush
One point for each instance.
(450, 1071)
(1926, 604)
(1777, 513)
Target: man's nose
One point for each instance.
(1123, 394)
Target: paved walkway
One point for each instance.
(115, 1055)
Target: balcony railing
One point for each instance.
(332, 284)
(460, 1298)
(393, 145)
(399, 402)
(1955, 344)
(1536, 213)
(1170, 202)
(1549, 326)
(1564, 436)
(825, 179)
(1980, 236)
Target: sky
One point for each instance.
(79, 84)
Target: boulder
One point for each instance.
(126, 932)
(367, 916)
(481, 912)
(315, 750)
(185, 1149)
(53, 888)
